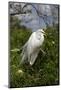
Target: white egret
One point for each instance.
(32, 47)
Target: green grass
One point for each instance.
(45, 70)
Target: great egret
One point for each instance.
(32, 47)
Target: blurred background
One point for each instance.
(35, 16)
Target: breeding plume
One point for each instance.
(32, 47)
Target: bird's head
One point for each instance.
(41, 31)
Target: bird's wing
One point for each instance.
(25, 51)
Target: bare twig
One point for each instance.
(42, 51)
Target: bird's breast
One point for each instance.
(39, 41)
(36, 42)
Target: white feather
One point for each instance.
(32, 47)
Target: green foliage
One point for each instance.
(46, 68)
(18, 37)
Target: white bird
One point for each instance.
(32, 47)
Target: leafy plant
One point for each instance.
(45, 71)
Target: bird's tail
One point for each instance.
(23, 55)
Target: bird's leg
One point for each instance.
(42, 51)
